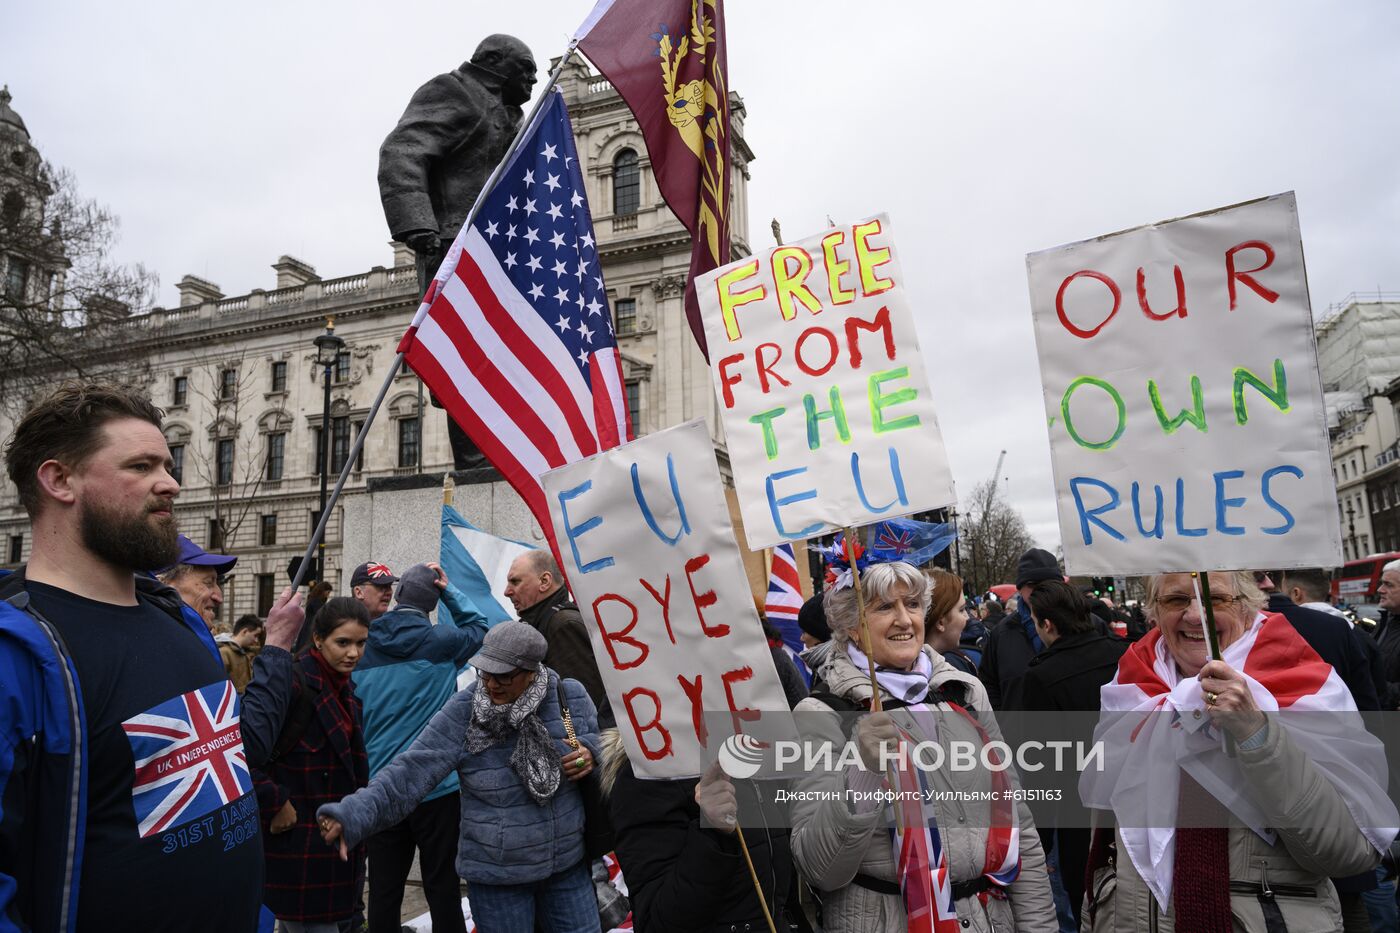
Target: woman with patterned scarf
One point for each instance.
(521, 847)
(956, 860)
(1239, 785)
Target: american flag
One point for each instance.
(784, 602)
(515, 334)
(189, 759)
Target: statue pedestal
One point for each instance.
(398, 519)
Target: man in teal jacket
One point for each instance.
(409, 671)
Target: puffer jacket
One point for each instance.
(1295, 868)
(505, 837)
(831, 844)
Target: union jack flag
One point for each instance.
(921, 862)
(784, 602)
(189, 758)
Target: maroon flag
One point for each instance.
(666, 58)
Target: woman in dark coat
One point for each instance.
(319, 758)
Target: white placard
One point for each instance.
(1182, 395)
(822, 390)
(650, 555)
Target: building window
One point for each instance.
(340, 443)
(228, 385)
(216, 535)
(177, 462)
(16, 278)
(408, 442)
(224, 461)
(342, 366)
(634, 406)
(279, 376)
(276, 455)
(180, 392)
(627, 183)
(624, 317)
(267, 589)
(267, 530)
(16, 548)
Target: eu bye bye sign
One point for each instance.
(822, 390)
(1182, 395)
(650, 555)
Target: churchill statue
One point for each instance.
(434, 163)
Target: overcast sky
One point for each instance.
(227, 135)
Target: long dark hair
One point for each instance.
(335, 613)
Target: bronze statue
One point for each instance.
(433, 165)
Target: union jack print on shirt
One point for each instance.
(189, 759)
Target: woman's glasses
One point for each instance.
(504, 680)
(1177, 602)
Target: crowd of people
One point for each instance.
(162, 771)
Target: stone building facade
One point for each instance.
(243, 394)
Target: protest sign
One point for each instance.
(644, 535)
(822, 390)
(1182, 394)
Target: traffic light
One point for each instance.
(1108, 587)
(1098, 584)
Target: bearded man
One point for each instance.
(121, 747)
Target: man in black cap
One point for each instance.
(1013, 642)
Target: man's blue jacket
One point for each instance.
(409, 672)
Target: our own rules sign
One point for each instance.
(1182, 396)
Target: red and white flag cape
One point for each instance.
(1154, 725)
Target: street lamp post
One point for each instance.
(328, 347)
(1351, 528)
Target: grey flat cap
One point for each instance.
(510, 646)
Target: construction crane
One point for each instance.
(996, 473)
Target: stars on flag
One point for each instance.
(556, 231)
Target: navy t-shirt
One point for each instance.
(172, 840)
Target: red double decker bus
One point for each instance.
(1358, 580)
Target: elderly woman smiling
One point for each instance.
(990, 852)
(1240, 833)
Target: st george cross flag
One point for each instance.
(515, 335)
(1154, 725)
(667, 60)
(784, 602)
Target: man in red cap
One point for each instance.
(372, 583)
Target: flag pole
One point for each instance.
(398, 363)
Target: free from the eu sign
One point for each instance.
(822, 390)
(1182, 396)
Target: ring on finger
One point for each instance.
(1212, 697)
